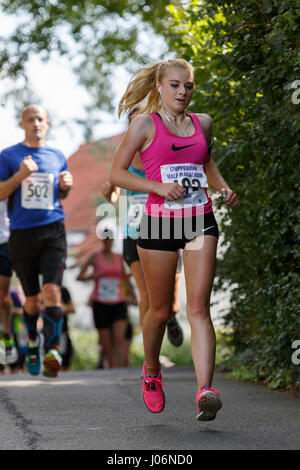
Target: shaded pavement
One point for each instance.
(103, 410)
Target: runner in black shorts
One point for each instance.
(35, 178)
(174, 148)
(5, 276)
(112, 292)
(135, 209)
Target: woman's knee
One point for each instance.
(119, 336)
(161, 315)
(198, 311)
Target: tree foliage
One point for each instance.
(246, 55)
(96, 35)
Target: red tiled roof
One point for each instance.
(89, 166)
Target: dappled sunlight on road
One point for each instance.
(34, 383)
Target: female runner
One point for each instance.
(109, 302)
(135, 206)
(174, 148)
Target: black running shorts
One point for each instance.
(106, 314)
(5, 261)
(129, 332)
(39, 250)
(130, 253)
(171, 234)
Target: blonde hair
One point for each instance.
(142, 86)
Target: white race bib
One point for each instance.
(136, 204)
(192, 178)
(109, 289)
(37, 191)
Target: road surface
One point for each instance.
(103, 410)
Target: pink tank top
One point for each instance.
(108, 289)
(171, 158)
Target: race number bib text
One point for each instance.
(37, 191)
(109, 290)
(136, 204)
(192, 178)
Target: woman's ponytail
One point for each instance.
(142, 85)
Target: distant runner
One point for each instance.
(109, 300)
(36, 178)
(5, 276)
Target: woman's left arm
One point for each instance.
(216, 180)
(213, 174)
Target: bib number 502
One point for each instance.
(37, 190)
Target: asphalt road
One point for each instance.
(103, 410)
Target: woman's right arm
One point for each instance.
(110, 192)
(139, 135)
(91, 261)
(133, 140)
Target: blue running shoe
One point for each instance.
(32, 358)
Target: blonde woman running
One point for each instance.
(174, 149)
(135, 205)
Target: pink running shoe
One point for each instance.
(153, 395)
(208, 402)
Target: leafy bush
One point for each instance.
(246, 57)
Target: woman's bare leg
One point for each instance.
(159, 269)
(107, 347)
(199, 268)
(137, 272)
(119, 344)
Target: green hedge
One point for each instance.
(247, 55)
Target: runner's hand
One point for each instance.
(131, 300)
(96, 274)
(110, 192)
(229, 197)
(65, 180)
(170, 191)
(28, 166)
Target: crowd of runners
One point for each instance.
(164, 165)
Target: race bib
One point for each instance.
(37, 191)
(192, 178)
(136, 204)
(109, 290)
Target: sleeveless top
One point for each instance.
(108, 287)
(171, 158)
(135, 208)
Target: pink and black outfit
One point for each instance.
(169, 225)
(108, 297)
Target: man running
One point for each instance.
(35, 178)
(5, 276)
